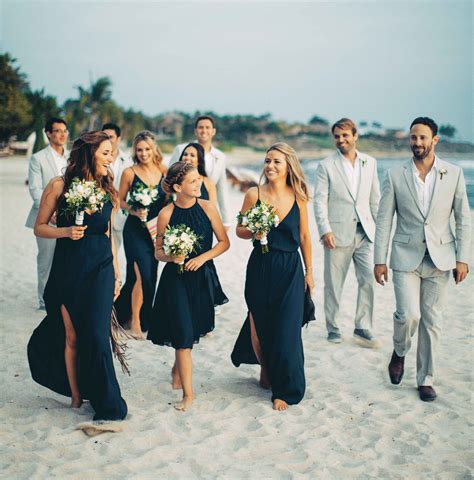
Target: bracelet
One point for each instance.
(119, 281)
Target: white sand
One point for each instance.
(352, 422)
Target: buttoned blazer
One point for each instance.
(335, 207)
(41, 169)
(415, 232)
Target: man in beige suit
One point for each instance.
(424, 193)
(346, 200)
(45, 165)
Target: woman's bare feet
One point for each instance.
(175, 379)
(279, 405)
(76, 402)
(137, 334)
(264, 380)
(185, 403)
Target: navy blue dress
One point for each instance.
(82, 279)
(139, 249)
(274, 292)
(184, 304)
(204, 192)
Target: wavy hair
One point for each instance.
(149, 138)
(295, 177)
(81, 163)
(175, 176)
(201, 166)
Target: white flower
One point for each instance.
(442, 171)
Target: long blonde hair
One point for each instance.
(149, 138)
(295, 178)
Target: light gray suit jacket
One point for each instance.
(42, 168)
(414, 232)
(335, 208)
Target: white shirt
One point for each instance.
(122, 162)
(424, 189)
(352, 173)
(60, 160)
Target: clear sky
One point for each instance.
(381, 60)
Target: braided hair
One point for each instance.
(175, 176)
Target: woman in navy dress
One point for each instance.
(275, 283)
(136, 297)
(70, 351)
(184, 305)
(194, 154)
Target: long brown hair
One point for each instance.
(81, 163)
(149, 138)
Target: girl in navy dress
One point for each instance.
(70, 351)
(275, 283)
(136, 297)
(194, 154)
(184, 305)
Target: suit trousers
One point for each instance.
(419, 297)
(336, 266)
(117, 235)
(44, 260)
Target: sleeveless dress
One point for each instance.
(184, 305)
(204, 192)
(82, 279)
(139, 249)
(274, 292)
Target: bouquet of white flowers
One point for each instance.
(259, 220)
(84, 195)
(180, 241)
(142, 197)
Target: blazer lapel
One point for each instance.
(338, 162)
(364, 177)
(407, 171)
(52, 162)
(437, 187)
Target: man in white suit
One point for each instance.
(215, 162)
(424, 193)
(45, 165)
(121, 161)
(346, 200)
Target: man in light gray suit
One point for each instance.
(120, 161)
(423, 193)
(346, 200)
(215, 162)
(45, 165)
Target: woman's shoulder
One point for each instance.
(56, 185)
(128, 173)
(166, 212)
(253, 193)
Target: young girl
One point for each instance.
(275, 284)
(184, 305)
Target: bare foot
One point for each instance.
(92, 429)
(279, 405)
(175, 379)
(76, 402)
(137, 334)
(185, 403)
(264, 381)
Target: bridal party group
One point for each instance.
(104, 221)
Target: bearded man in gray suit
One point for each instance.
(424, 193)
(346, 199)
(45, 165)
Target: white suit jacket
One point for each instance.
(216, 171)
(335, 208)
(415, 232)
(41, 169)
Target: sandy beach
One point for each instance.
(352, 422)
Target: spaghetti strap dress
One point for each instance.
(274, 293)
(82, 279)
(140, 250)
(184, 305)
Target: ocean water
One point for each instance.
(383, 164)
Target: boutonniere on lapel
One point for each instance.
(442, 172)
(363, 162)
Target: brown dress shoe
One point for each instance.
(396, 368)
(427, 393)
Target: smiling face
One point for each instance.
(103, 158)
(345, 140)
(422, 141)
(58, 135)
(275, 166)
(191, 185)
(190, 155)
(204, 131)
(144, 152)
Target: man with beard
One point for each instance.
(346, 201)
(424, 193)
